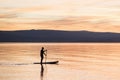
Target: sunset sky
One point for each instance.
(92, 15)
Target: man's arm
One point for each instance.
(45, 53)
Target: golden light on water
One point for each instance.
(77, 61)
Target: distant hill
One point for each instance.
(57, 36)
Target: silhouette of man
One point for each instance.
(42, 53)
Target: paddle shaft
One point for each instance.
(46, 56)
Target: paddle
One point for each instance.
(46, 56)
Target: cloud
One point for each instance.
(91, 23)
(32, 9)
(96, 15)
(8, 15)
(19, 12)
(35, 8)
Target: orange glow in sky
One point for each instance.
(92, 15)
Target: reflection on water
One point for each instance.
(42, 71)
(77, 61)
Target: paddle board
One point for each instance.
(51, 62)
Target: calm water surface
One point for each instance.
(77, 61)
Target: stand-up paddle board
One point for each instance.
(51, 62)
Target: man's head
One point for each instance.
(42, 47)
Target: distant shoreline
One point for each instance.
(56, 36)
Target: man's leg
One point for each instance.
(41, 61)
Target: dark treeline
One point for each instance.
(57, 36)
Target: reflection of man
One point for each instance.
(42, 53)
(42, 72)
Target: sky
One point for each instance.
(71, 15)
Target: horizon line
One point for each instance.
(56, 30)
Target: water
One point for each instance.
(77, 61)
